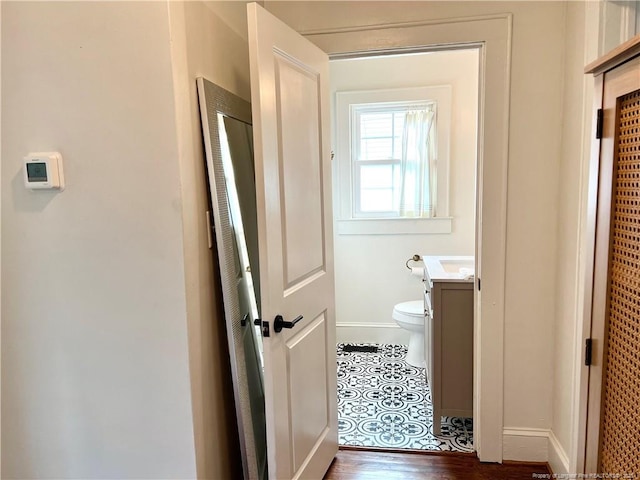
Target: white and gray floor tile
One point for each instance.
(385, 402)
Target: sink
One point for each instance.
(449, 268)
(455, 266)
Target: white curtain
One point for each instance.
(418, 166)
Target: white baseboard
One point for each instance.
(535, 445)
(525, 444)
(371, 333)
(558, 458)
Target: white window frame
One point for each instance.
(346, 223)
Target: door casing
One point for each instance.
(492, 34)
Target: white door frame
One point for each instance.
(590, 178)
(492, 34)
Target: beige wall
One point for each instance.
(204, 45)
(370, 269)
(95, 371)
(575, 153)
(534, 160)
(95, 368)
(114, 352)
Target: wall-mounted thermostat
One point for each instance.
(43, 170)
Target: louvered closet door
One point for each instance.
(620, 439)
(618, 277)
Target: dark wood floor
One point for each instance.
(376, 465)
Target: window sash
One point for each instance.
(357, 162)
(391, 134)
(358, 212)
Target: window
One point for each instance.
(393, 159)
(392, 149)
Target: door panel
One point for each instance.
(298, 109)
(309, 409)
(290, 101)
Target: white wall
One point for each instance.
(371, 276)
(94, 314)
(95, 363)
(198, 30)
(577, 104)
(534, 161)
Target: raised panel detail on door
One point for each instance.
(297, 101)
(290, 101)
(308, 389)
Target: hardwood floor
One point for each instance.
(378, 465)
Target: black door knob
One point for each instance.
(279, 323)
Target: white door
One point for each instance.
(290, 103)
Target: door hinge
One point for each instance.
(599, 123)
(588, 349)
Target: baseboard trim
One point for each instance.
(535, 445)
(366, 325)
(371, 333)
(525, 444)
(558, 458)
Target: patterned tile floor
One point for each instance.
(385, 402)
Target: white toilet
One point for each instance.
(410, 316)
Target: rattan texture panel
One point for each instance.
(620, 439)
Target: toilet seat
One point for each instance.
(409, 312)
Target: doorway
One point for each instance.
(492, 36)
(384, 399)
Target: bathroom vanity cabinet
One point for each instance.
(449, 309)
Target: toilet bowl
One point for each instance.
(410, 316)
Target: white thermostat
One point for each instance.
(43, 171)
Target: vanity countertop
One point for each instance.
(458, 269)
